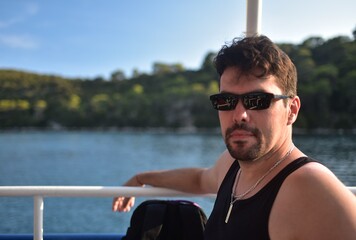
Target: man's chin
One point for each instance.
(241, 151)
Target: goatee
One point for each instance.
(238, 149)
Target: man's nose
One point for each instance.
(240, 113)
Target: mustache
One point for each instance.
(241, 126)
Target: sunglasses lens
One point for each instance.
(223, 102)
(257, 101)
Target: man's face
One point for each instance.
(249, 134)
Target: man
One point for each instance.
(266, 188)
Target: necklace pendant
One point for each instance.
(228, 213)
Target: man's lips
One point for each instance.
(240, 134)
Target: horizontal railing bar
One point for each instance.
(90, 191)
(64, 236)
(39, 192)
(97, 191)
(352, 189)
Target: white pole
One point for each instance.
(96, 191)
(254, 15)
(87, 191)
(38, 218)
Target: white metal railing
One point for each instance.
(40, 192)
(253, 17)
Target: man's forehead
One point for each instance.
(234, 75)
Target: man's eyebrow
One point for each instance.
(254, 91)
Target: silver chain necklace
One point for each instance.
(235, 198)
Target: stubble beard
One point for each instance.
(239, 149)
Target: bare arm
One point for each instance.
(184, 179)
(192, 180)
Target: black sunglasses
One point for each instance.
(251, 101)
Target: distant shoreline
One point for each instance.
(185, 130)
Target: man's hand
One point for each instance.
(124, 204)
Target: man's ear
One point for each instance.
(294, 106)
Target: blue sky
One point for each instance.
(91, 38)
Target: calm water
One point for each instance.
(109, 159)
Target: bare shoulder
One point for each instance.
(314, 178)
(223, 164)
(216, 173)
(313, 204)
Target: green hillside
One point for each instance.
(174, 97)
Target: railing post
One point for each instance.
(253, 18)
(38, 218)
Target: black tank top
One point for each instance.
(249, 217)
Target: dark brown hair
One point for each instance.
(259, 52)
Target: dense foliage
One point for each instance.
(172, 97)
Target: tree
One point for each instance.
(332, 51)
(313, 42)
(208, 63)
(135, 73)
(162, 68)
(118, 75)
(304, 61)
